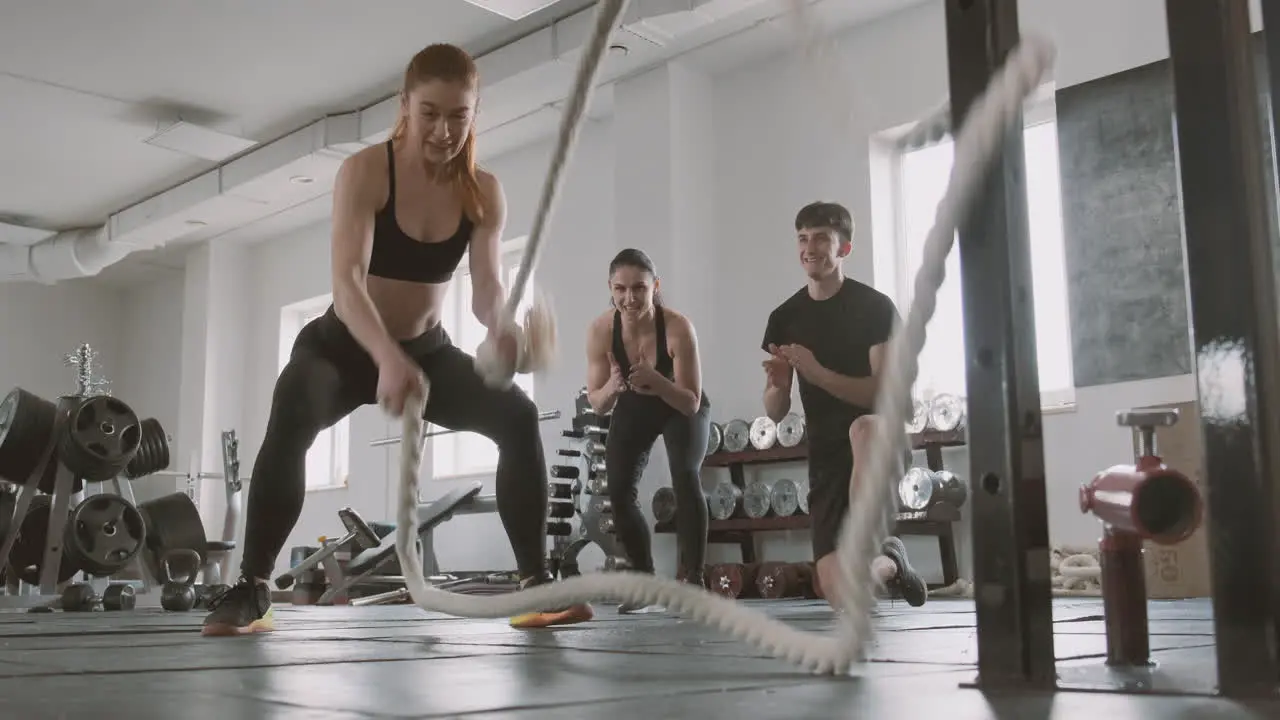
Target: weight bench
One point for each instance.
(374, 544)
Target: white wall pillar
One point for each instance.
(216, 310)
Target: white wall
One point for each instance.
(40, 324)
(151, 342)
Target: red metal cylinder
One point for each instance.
(1150, 500)
(1124, 598)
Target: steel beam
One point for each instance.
(1006, 447)
(1230, 278)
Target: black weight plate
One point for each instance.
(153, 451)
(102, 436)
(105, 533)
(27, 555)
(26, 425)
(172, 522)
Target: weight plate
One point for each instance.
(951, 489)
(105, 533)
(26, 425)
(784, 497)
(664, 504)
(722, 501)
(153, 451)
(102, 436)
(764, 433)
(27, 557)
(915, 489)
(560, 491)
(802, 496)
(172, 522)
(946, 412)
(919, 421)
(755, 501)
(598, 485)
(737, 435)
(791, 430)
(714, 436)
(732, 580)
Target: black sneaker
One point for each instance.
(907, 582)
(243, 609)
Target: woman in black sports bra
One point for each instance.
(404, 214)
(643, 366)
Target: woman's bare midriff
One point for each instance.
(407, 309)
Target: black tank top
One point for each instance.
(664, 366)
(396, 256)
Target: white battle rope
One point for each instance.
(978, 143)
(489, 363)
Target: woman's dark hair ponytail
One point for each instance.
(631, 257)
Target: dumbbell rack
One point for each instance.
(586, 477)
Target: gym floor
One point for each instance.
(341, 663)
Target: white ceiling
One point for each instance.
(83, 83)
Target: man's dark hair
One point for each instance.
(826, 214)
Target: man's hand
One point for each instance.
(802, 359)
(777, 370)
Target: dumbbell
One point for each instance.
(358, 532)
(81, 597)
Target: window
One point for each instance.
(922, 175)
(328, 460)
(455, 454)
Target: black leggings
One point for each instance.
(329, 375)
(635, 424)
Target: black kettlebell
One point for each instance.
(179, 595)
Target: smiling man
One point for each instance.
(833, 333)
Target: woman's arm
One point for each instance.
(685, 392)
(355, 200)
(487, 295)
(600, 392)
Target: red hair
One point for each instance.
(448, 63)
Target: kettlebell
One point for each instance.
(179, 595)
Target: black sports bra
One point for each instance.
(396, 256)
(665, 366)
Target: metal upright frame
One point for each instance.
(1006, 447)
(1231, 283)
(1236, 336)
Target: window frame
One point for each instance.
(293, 318)
(460, 443)
(1040, 110)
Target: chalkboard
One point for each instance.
(1122, 224)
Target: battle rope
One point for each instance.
(489, 363)
(977, 145)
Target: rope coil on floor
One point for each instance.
(977, 144)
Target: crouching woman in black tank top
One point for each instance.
(643, 365)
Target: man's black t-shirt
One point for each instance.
(840, 332)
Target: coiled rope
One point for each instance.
(977, 144)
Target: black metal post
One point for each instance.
(1271, 39)
(1230, 278)
(1006, 448)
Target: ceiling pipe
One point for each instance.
(262, 180)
